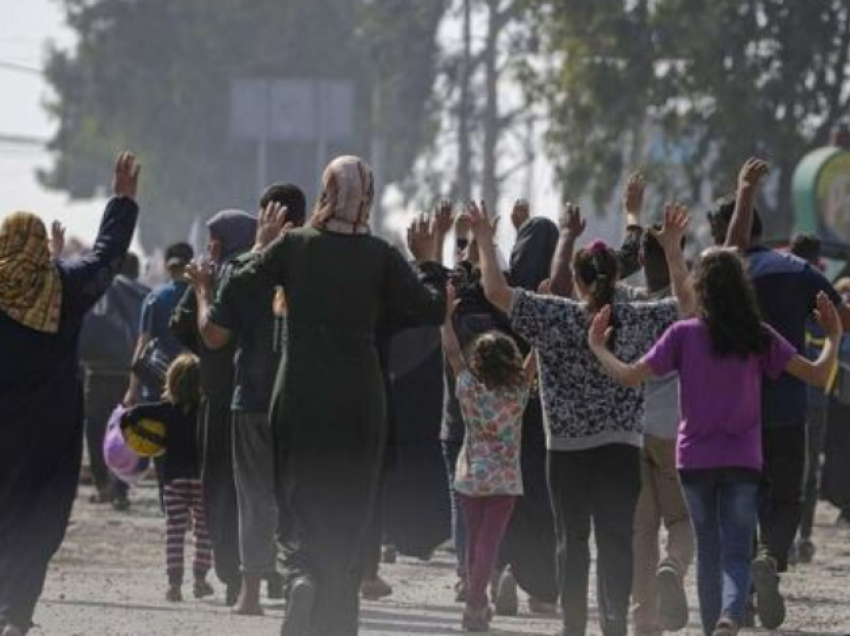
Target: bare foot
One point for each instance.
(245, 608)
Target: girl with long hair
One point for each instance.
(593, 425)
(720, 356)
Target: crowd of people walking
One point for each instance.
(281, 383)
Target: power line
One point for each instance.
(20, 68)
(22, 140)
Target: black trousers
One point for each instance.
(596, 488)
(104, 391)
(219, 489)
(815, 435)
(38, 513)
(781, 493)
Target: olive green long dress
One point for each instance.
(329, 409)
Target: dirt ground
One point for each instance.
(109, 580)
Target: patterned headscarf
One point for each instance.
(348, 188)
(30, 286)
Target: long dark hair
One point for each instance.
(596, 266)
(728, 305)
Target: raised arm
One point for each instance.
(200, 275)
(571, 225)
(492, 278)
(818, 373)
(597, 339)
(629, 252)
(741, 225)
(670, 237)
(451, 345)
(88, 278)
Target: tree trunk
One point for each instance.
(464, 168)
(492, 125)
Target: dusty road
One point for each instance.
(108, 580)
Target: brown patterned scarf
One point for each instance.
(30, 286)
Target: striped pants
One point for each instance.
(183, 504)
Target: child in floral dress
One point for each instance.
(492, 388)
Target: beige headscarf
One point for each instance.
(348, 188)
(30, 286)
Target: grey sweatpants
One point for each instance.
(253, 468)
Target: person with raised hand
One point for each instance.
(720, 356)
(593, 424)
(252, 317)
(328, 412)
(42, 306)
(786, 290)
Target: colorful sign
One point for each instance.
(821, 190)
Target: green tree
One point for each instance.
(155, 75)
(712, 81)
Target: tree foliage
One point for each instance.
(155, 75)
(700, 83)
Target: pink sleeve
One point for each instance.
(777, 356)
(663, 357)
(465, 385)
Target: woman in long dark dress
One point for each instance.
(42, 305)
(329, 409)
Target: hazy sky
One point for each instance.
(26, 29)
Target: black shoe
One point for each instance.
(506, 598)
(231, 594)
(299, 609)
(389, 554)
(770, 604)
(274, 587)
(121, 504)
(806, 550)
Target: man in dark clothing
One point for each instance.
(155, 316)
(256, 323)
(231, 232)
(107, 341)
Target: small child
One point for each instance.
(493, 389)
(178, 414)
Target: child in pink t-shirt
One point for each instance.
(720, 357)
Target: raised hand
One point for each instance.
(483, 227)
(571, 221)
(57, 239)
(600, 329)
(674, 227)
(125, 178)
(421, 238)
(200, 274)
(520, 213)
(634, 194)
(828, 318)
(444, 218)
(271, 224)
(752, 173)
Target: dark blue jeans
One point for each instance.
(451, 450)
(723, 507)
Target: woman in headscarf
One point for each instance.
(529, 544)
(42, 305)
(231, 233)
(329, 408)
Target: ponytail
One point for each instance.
(596, 266)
